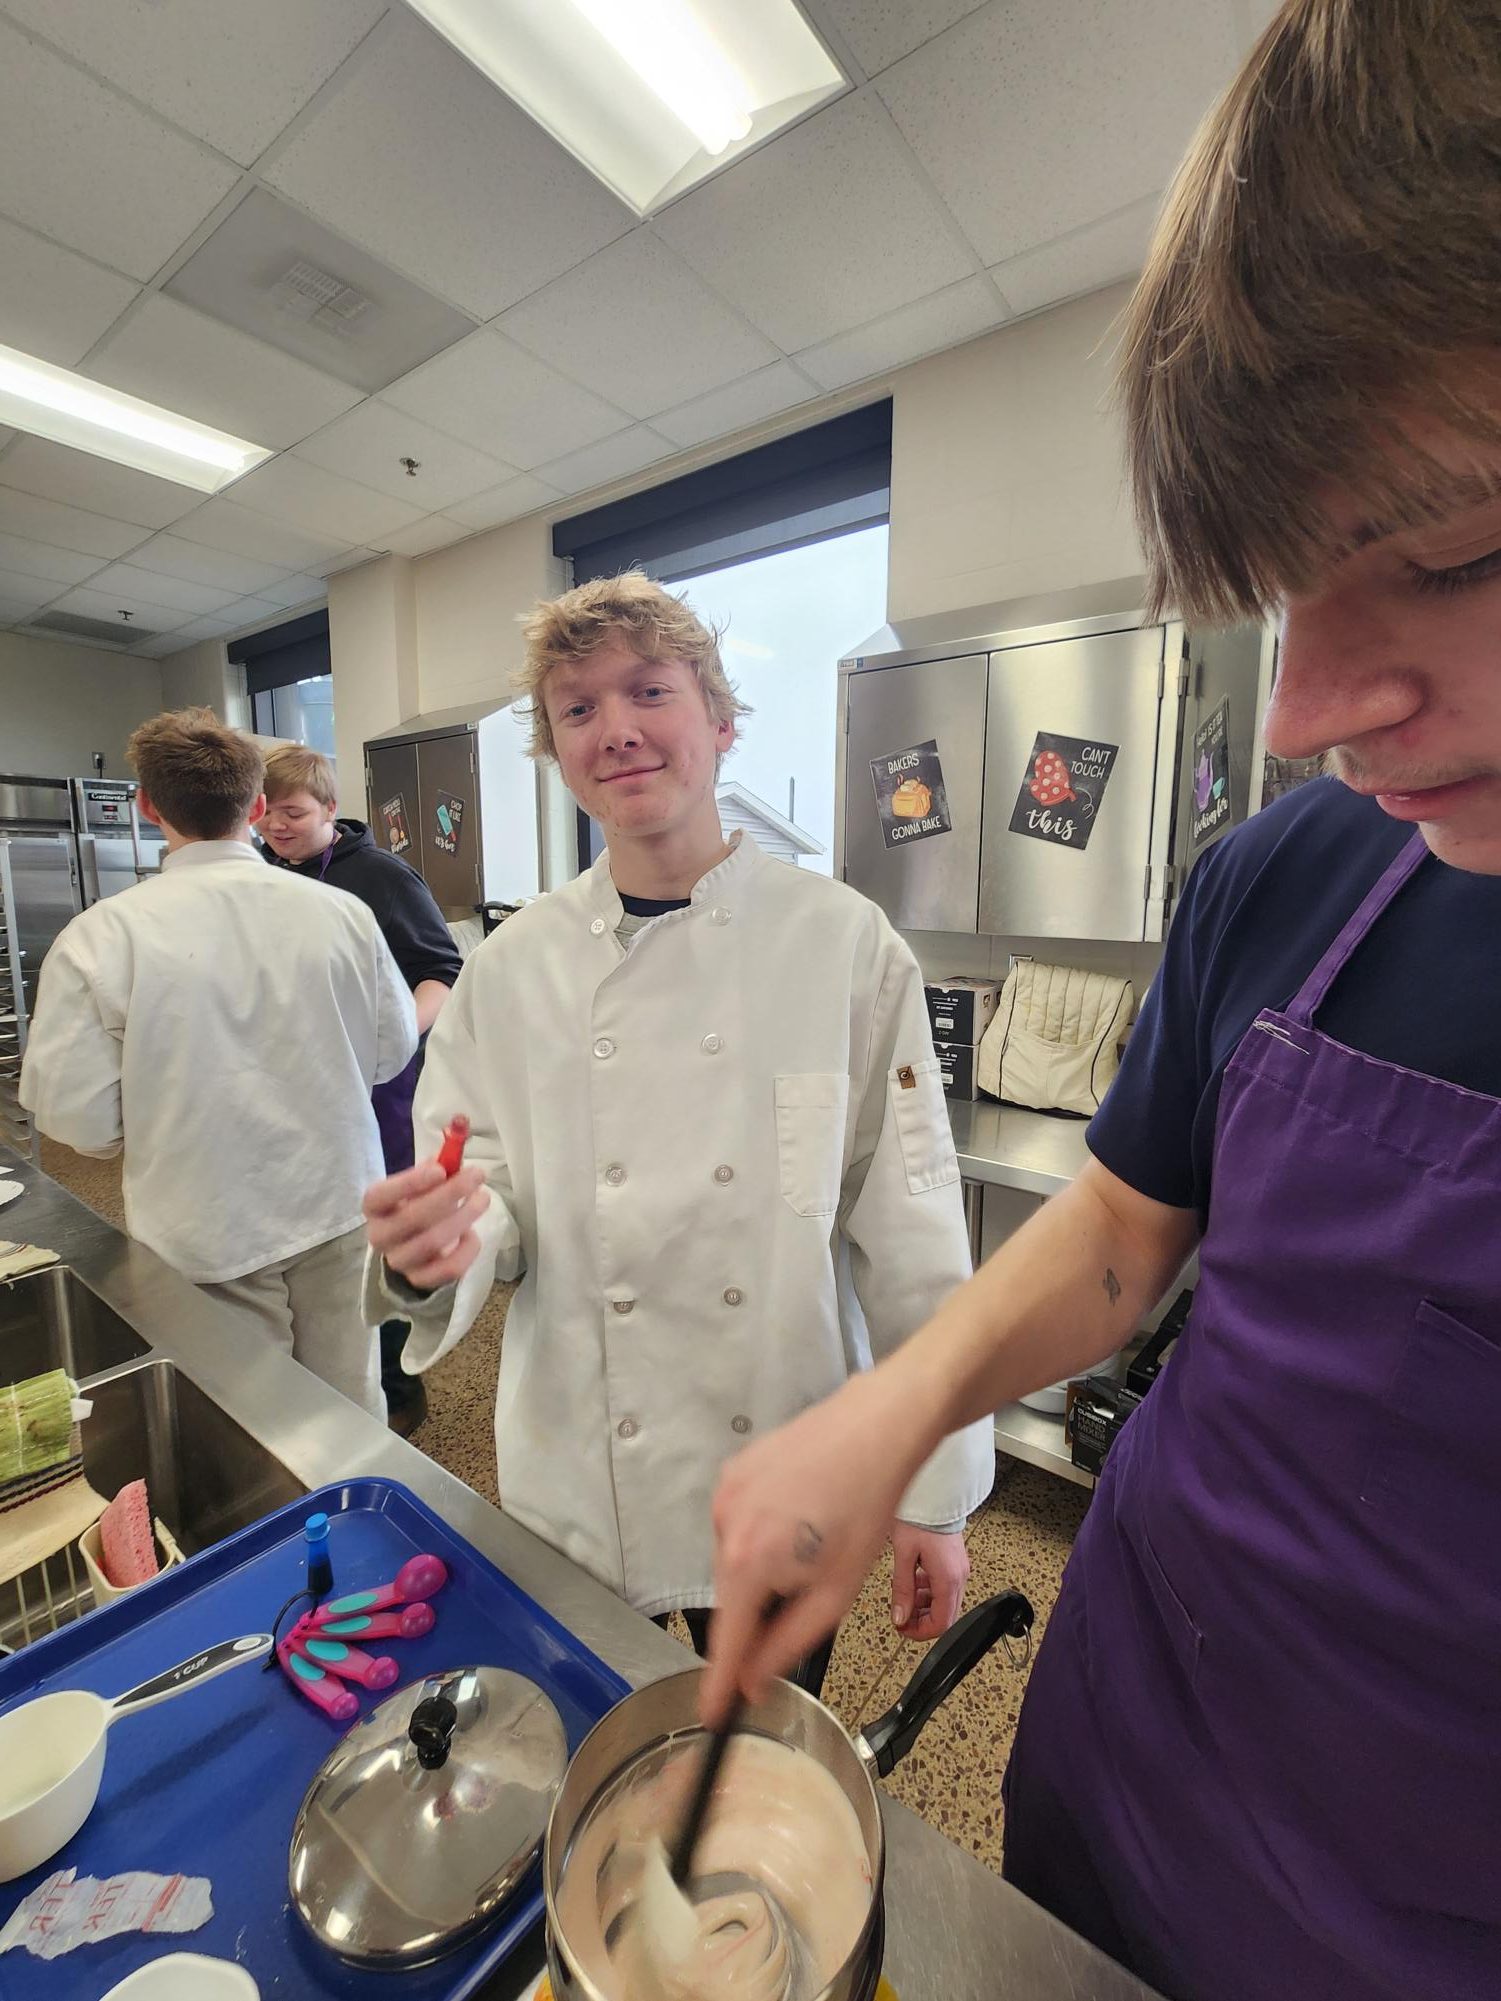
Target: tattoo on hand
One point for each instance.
(806, 1543)
(1112, 1285)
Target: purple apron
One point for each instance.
(1260, 1758)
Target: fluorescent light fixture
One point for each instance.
(71, 410)
(651, 95)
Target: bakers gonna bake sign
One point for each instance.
(910, 795)
(1063, 789)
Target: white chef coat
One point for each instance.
(227, 1021)
(721, 1154)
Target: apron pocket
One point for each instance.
(1434, 1458)
(921, 1114)
(1178, 1624)
(810, 1140)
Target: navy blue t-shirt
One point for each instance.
(1258, 913)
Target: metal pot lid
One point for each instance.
(424, 1818)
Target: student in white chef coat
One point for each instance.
(707, 1125)
(225, 1022)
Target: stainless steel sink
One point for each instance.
(205, 1477)
(51, 1320)
(204, 1474)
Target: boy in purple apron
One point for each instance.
(1260, 1755)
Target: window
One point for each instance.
(787, 620)
(289, 679)
(300, 711)
(784, 547)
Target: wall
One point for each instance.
(59, 704)
(201, 677)
(468, 601)
(1006, 465)
(372, 636)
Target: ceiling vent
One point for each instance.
(273, 272)
(319, 298)
(100, 630)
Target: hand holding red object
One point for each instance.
(451, 1153)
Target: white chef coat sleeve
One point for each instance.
(902, 1214)
(396, 1035)
(453, 1080)
(70, 1078)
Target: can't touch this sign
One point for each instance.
(1063, 790)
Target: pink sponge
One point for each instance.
(127, 1547)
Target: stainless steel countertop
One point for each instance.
(954, 1930)
(1013, 1148)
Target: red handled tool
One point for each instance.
(451, 1153)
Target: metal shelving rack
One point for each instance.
(16, 1129)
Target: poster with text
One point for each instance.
(449, 815)
(394, 813)
(1063, 789)
(1211, 800)
(910, 795)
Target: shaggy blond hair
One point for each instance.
(565, 631)
(200, 775)
(292, 767)
(1328, 264)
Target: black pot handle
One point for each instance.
(1007, 1616)
(431, 1729)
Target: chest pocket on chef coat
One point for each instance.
(921, 1113)
(811, 1114)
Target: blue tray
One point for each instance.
(210, 1784)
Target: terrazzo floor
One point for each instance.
(1019, 1540)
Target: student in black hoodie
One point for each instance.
(301, 832)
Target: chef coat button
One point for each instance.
(598, 927)
(733, 1296)
(712, 1044)
(720, 915)
(614, 1175)
(724, 1174)
(624, 1305)
(627, 1427)
(604, 1047)
(740, 1424)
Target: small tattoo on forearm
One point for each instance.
(807, 1543)
(1112, 1285)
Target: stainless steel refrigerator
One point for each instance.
(39, 892)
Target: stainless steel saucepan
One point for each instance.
(648, 1727)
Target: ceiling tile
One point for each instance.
(369, 444)
(958, 313)
(437, 532)
(735, 406)
(828, 227)
(150, 587)
(350, 559)
(187, 363)
(237, 616)
(1096, 255)
(611, 459)
(1079, 137)
(523, 495)
(54, 304)
(291, 591)
(881, 32)
(42, 559)
(220, 524)
(109, 605)
(159, 648)
(32, 592)
(232, 74)
(290, 489)
(171, 556)
(66, 527)
(99, 486)
(16, 611)
(636, 325)
(82, 164)
(504, 400)
(427, 164)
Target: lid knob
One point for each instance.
(430, 1729)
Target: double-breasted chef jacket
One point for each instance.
(720, 1155)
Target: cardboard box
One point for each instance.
(961, 1010)
(959, 1063)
